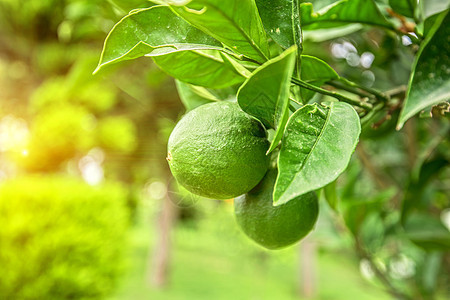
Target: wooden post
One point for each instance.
(307, 284)
(159, 265)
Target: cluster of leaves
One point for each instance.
(252, 52)
(188, 40)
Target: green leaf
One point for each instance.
(253, 98)
(193, 96)
(265, 95)
(276, 16)
(204, 68)
(432, 7)
(427, 25)
(233, 63)
(235, 23)
(326, 34)
(316, 147)
(140, 32)
(281, 20)
(330, 195)
(316, 72)
(430, 80)
(342, 13)
(404, 7)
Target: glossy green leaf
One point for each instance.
(432, 7)
(140, 32)
(428, 25)
(236, 24)
(265, 95)
(326, 34)
(316, 72)
(316, 147)
(234, 64)
(277, 17)
(193, 96)
(204, 68)
(430, 80)
(342, 13)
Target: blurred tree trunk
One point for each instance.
(159, 264)
(307, 284)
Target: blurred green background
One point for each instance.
(88, 208)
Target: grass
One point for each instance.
(212, 259)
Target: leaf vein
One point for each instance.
(309, 154)
(248, 38)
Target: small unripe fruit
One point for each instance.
(218, 151)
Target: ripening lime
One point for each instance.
(275, 227)
(218, 151)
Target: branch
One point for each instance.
(368, 90)
(340, 85)
(338, 96)
(295, 100)
(399, 91)
(368, 117)
(387, 117)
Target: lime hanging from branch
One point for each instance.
(218, 151)
(275, 227)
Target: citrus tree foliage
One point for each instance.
(254, 52)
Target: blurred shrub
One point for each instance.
(78, 88)
(57, 133)
(117, 133)
(60, 238)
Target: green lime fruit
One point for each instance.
(275, 227)
(218, 151)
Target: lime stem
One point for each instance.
(366, 89)
(338, 96)
(342, 86)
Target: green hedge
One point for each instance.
(60, 238)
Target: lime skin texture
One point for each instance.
(275, 227)
(218, 151)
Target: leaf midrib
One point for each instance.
(250, 41)
(315, 144)
(141, 29)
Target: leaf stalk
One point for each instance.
(366, 89)
(338, 96)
